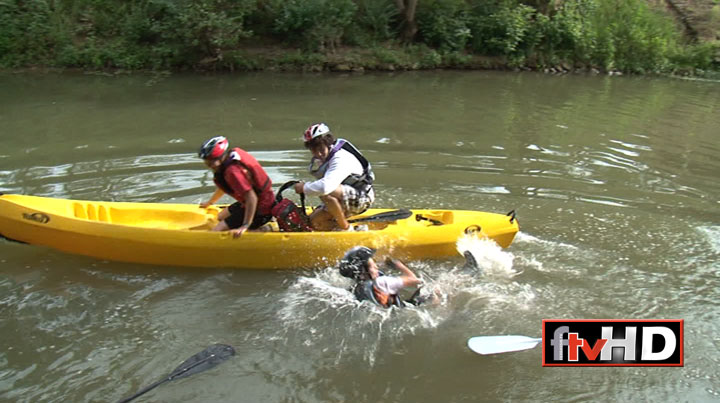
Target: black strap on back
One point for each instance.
(363, 161)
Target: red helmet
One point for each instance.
(318, 129)
(213, 148)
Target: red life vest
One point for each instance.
(254, 173)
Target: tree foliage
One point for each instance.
(628, 35)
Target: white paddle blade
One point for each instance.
(501, 344)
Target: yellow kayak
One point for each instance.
(179, 235)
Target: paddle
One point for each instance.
(501, 344)
(201, 361)
(393, 215)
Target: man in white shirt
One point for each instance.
(344, 179)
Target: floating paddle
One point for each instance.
(501, 344)
(393, 215)
(201, 361)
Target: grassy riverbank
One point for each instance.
(631, 36)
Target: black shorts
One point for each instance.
(237, 216)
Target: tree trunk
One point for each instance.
(407, 11)
(679, 9)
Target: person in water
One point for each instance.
(374, 285)
(238, 174)
(344, 179)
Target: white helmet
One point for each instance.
(318, 129)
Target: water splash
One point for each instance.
(358, 327)
(489, 256)
(524, 237)
(364, 329)
(712, 234)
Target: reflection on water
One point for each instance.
(144, 178)
(614, 181)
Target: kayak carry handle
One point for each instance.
(285, 186)
(511, 213)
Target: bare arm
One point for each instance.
(408, 277)
(251, 201)
(340, 166)
(214, 198)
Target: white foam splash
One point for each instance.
(497, 298)
(362, 330)
(532, 262)
(523, 237)
(491, 259)
(712, 233)
(358, 327)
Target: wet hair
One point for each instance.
(327, 140)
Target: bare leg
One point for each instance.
(221, 226)
(334, 207)
(321, 220)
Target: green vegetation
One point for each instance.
(624, 35)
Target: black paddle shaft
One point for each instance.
(204, 360)
(386, 216)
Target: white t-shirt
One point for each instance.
(389, 284)
(341, 165)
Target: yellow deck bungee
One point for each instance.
(178, 234)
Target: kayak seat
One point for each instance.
(164, 219)
(92, 212)
(140, 217)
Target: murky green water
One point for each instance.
(615, 181)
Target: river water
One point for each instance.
(614, 179)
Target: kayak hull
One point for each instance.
(179, 235)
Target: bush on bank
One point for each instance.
(625, 35)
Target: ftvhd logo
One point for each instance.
(612, 342)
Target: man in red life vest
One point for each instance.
(238, 174)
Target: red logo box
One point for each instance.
(612, 342)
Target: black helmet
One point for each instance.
(355, 262)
